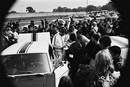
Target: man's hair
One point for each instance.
(115, 50)
(73, 37)
(105, 41)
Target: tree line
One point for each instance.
(109, 6)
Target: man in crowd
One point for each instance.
(116, 56)
(58, 42)
(31, 26)
(7, 38)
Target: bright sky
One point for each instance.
(49, 5)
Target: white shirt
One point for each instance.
(58, 41)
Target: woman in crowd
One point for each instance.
(105, 69)
(102, 75)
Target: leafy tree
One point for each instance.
(74, 10)
(80, 9)
(109, 6)
(30, 9)
(60, 9)
(92, 8)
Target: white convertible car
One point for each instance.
(30, 64)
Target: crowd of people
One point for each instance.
(84, 44)
(92, 61)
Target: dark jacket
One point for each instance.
(74, 56)
(90, 51)
(5, 42)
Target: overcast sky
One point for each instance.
(49, 5)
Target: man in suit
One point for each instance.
(6, 38)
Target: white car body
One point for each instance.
(29, 64)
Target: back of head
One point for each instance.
(103, 61)
(105, 41)
(65, 81)
(115, 50)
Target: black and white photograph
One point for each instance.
(64, 43)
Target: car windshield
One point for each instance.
(26, 63)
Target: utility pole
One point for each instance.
(86, 7)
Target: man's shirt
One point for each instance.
(58, 41)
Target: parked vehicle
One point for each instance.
(31, 64)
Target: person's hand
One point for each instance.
(116, 74)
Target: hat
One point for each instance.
(61, 22)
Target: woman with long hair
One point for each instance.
(103, 62)
(105, 68)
